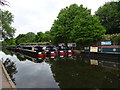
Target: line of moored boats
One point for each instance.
(41, 49)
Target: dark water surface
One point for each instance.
(69, 71)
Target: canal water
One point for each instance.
(65, 71)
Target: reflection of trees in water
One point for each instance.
(11, 68)
(78, 74)
(7, 52)
(20, 57)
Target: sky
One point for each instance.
(39, 15)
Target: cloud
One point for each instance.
(39, 15)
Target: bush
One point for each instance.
(114, 38)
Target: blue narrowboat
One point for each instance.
(114, 49)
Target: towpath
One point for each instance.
(5, 81)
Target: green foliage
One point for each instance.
(43, 37)
(8, 42)
(25, 38)
(20, 39)
(109, 15)
(38, 37)
(76, 24)
(115, 38)
(6, 20)
(30, 37)
(46, 37)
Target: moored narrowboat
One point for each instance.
(34, 51)
(51, 50)
(109, 49)
(61, 50)
(40, 50)
(114, 49)
(69, 51)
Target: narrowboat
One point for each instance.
(51, 50)
(35, 51)
(40, 50)
(113, 49)
(69, 51)
(61, 50)
(13, 48)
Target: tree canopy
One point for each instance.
(39, 37)
(109, 15)
(4, 2)
(7, 30)
(46, 37)
(76, 24)
(30, 37)
(25, 38)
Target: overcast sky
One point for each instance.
(39, 15)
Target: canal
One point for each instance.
(65, 71)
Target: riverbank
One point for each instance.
(5, 81)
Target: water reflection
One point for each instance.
(67, 71)
(74, 72)
(7, 52)
(77, 74)
(106, 64)
(40, 59)
(21, 57)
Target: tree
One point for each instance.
(30, 37)
(25, 38)
(46, 37)
(39, 37)
(4, 2)
(109, 15)
(76, 24)
(6, 19)
(8, 42)
(20, 39)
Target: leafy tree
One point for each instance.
(76, 24)
(6, 20)
(25, 38)
(20, 39)
(109, 15)
(4, 2)
(46, 37)
(8, 42)
(114, 38)
(39, 37)
(30, 37)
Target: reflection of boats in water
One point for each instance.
(106, 64)
(102, 60)
(23, 57)
(106, 57)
